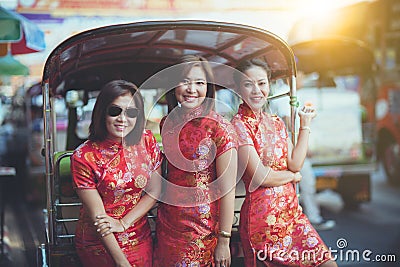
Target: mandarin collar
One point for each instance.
(248, 112)
(112, 144)
(191, 114)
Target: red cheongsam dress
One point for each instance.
(187, 221)
(273, 228)
(120, 175)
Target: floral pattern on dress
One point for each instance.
(119, 174)
(272, 224)
(186, 236)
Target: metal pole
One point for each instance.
(48, 149)
(293, 114)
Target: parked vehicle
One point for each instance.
(80, 65)
(376, 24)
(343, 143)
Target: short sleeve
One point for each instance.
(226, 137)
(243, 132)
(153, 150)
(82, 174)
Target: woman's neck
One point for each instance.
(114, 140)
(256, 112)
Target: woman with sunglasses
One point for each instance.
(195, 217)
(116, 174)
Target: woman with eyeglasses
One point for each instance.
(273, 229)
(116, 174)
(195, 216)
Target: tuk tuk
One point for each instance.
(339, 78)
(78, 67)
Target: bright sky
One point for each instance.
(320, 7)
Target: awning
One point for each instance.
(138, 50)
(22, 35)
(9, 66)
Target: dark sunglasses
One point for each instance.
(114, 111)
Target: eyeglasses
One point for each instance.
(114, 111)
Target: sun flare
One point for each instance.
(320, 8)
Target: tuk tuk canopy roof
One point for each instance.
(136, 51)
(338, 55)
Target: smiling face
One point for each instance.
(118, 126)
(254, 87)
(192, 90)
